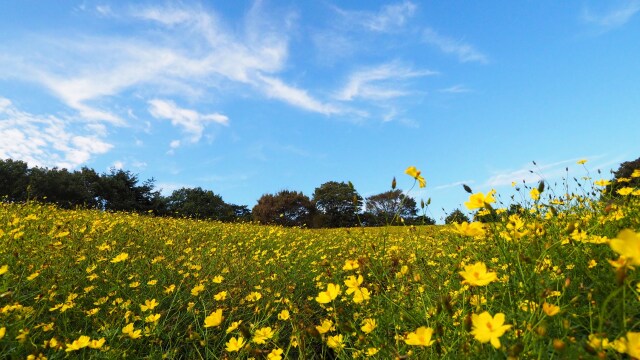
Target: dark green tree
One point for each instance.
(456, 216)
(197, 203)
(119, 191)
(64, 188)
(338, 204)
(287, 208)
(389, 207)
(14, 180)
(625, 170)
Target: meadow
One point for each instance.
(557, 279)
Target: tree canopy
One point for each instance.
(338, 204)
(288, 208)
(390, 206)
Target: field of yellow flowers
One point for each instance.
(558, 279)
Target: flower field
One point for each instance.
(558, 279)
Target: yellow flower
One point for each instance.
(361, 294)
(602, 182)
(326, 326)
(121, 257)
(235, 344)
(220, 296)
(372, 351)
(217, 279)
(335, 342)
(332, 292)
(4, 269)
(254, 296)
(149, 305)
(97, 344)
(479, 200)
(234, 325)
(169, 289)
(487, 328)
(420, 337)
(283, 315)
(262, 335)
(625, 191)
(152, 318)
(475, 229)
(477, 275)
(353, 283)
(214, 319)
(197, 290)
(581, 161)
(415, 173)
(3, 330)
(350, 265)
(275, 354)
(535, 194)
(129, 330)
(22, 337)
(627, 244)
(33, 276)
(550, 309)
(368, 325)
(82, 342)
(633, 344)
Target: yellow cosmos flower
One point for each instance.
(581, 161)
(152, 318)
(234, 325)
(82, 342)
(625, 191)
(477, 275)
(368, 325)
(336, 342)
(627, 244)
(4, 269)
(3, 331)
(332, 292)
(283, 315)
(220, 296)
(361, 294)
(415, 173)
(214, 319)
(325, 327)
(479, 200)
(235, 344)
(97, 344)
(275, 354)
(218, 279)
(197, 290)
(420, 337)
(602, 182)
(535, 194)
(353, 283)
(131, 332)
(550, 309)
(121, 257)
(487, 328)
(633, 344)
(350, 265)
(262, 335)
(475, 229)
(149, 305)
(33, 276)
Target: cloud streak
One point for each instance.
(613, 18)
(190, 121)
(463, 51)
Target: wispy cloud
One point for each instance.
(613, 18)
(388, 19)
(191, 121)
(455, 89)
(380, 82)
(45, 140)
(463, 51)
(454, 184)
(277, 89)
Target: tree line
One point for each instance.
(333, 204)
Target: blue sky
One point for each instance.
(247, 98)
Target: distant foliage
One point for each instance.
(338, 204)
(456, 216)
(625, 172)
(287, 208)
(390, 207)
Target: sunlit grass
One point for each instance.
(541, 283)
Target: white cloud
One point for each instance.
(378, 82)
(454, 184)
(45, 140)
(465, 52)
(118, 165)
(389, 18)
(456, 89)
(191, 121)
(613, 18)
(174, 144)
(275, 88)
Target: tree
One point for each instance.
(197, 203)
(119, 191)
(421, 220)
(64, 188)
(338, 204)
(14, 180)
(384, 207)
(288, 208)
(457, 216)
(625, 171)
